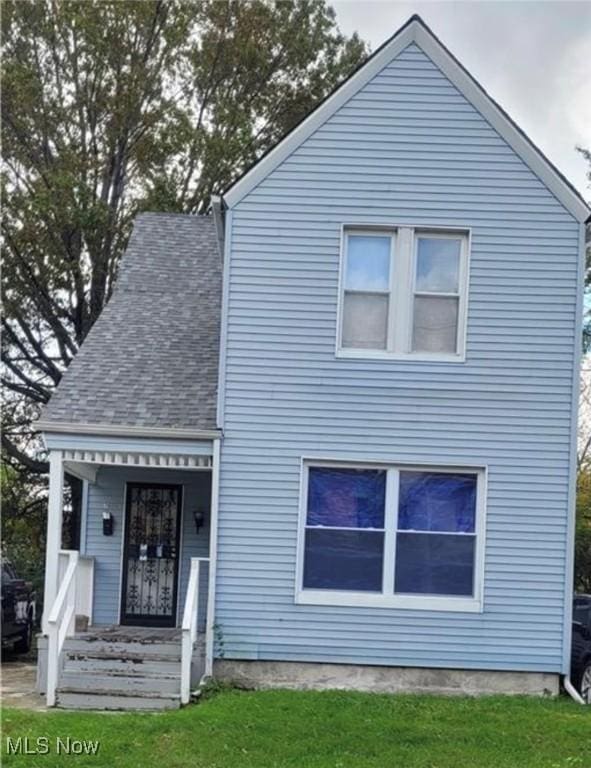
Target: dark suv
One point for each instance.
(580, 671)
(18, 610)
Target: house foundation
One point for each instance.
(378, 679)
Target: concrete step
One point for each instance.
(156, 685)
(130, 664)
(114, 700)
(171, 650)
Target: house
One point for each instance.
(327, 434)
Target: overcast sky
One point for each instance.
(534, 59)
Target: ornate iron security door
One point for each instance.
(150, 555)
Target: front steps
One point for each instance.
(121, 668)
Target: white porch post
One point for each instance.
(213, 556)
(54, 532)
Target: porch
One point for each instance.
(126, 621)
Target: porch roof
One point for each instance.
(151, 359)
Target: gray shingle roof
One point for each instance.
(151, 358)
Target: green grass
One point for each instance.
(236, 729)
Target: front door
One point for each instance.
(151, 554)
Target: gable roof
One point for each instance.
(151, 359)
(415, 31)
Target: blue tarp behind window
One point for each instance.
(435, 539)
(344, 559)
(437, 501)
(346, 498)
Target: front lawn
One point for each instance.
(236, 729)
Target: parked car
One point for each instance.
(18, 610)
(581, 646)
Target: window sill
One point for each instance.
(409, 357)
(369, 600)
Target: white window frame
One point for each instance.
(403, 262)
(388, 598)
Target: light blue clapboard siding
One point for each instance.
(108, 494)
(407, 149)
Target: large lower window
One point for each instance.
(389, 535)
(403, 292)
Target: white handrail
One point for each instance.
(189, 627)
(61, 623)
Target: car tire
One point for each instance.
(585, 684)
(23, 645)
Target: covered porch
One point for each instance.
(128, 619)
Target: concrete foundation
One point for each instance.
(375, 679)
(41, 682)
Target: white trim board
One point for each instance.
(416, 31)
(122, 430)
(221, 396)
(180, 602)
(121, 550)
(77, 442)
(84, 518)
(213, 554)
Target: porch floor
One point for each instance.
(117, 633)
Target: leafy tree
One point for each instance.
(114, 106)
(23, 530)
(583, 531)
(583, 512)
(109, 108)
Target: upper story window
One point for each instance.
(403, 293)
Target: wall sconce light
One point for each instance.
(107, 523)
(199, 517)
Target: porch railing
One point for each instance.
(84, 582)
(189, 628)
(74, 595)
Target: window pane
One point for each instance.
(438, 264)
(435, 324)
(368, 263)
(437, 501)
(581, 613)
(343, 560)
(347, 498)
(434, 564)
(365, 319)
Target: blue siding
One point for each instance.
(108, 495)
(407, 149)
